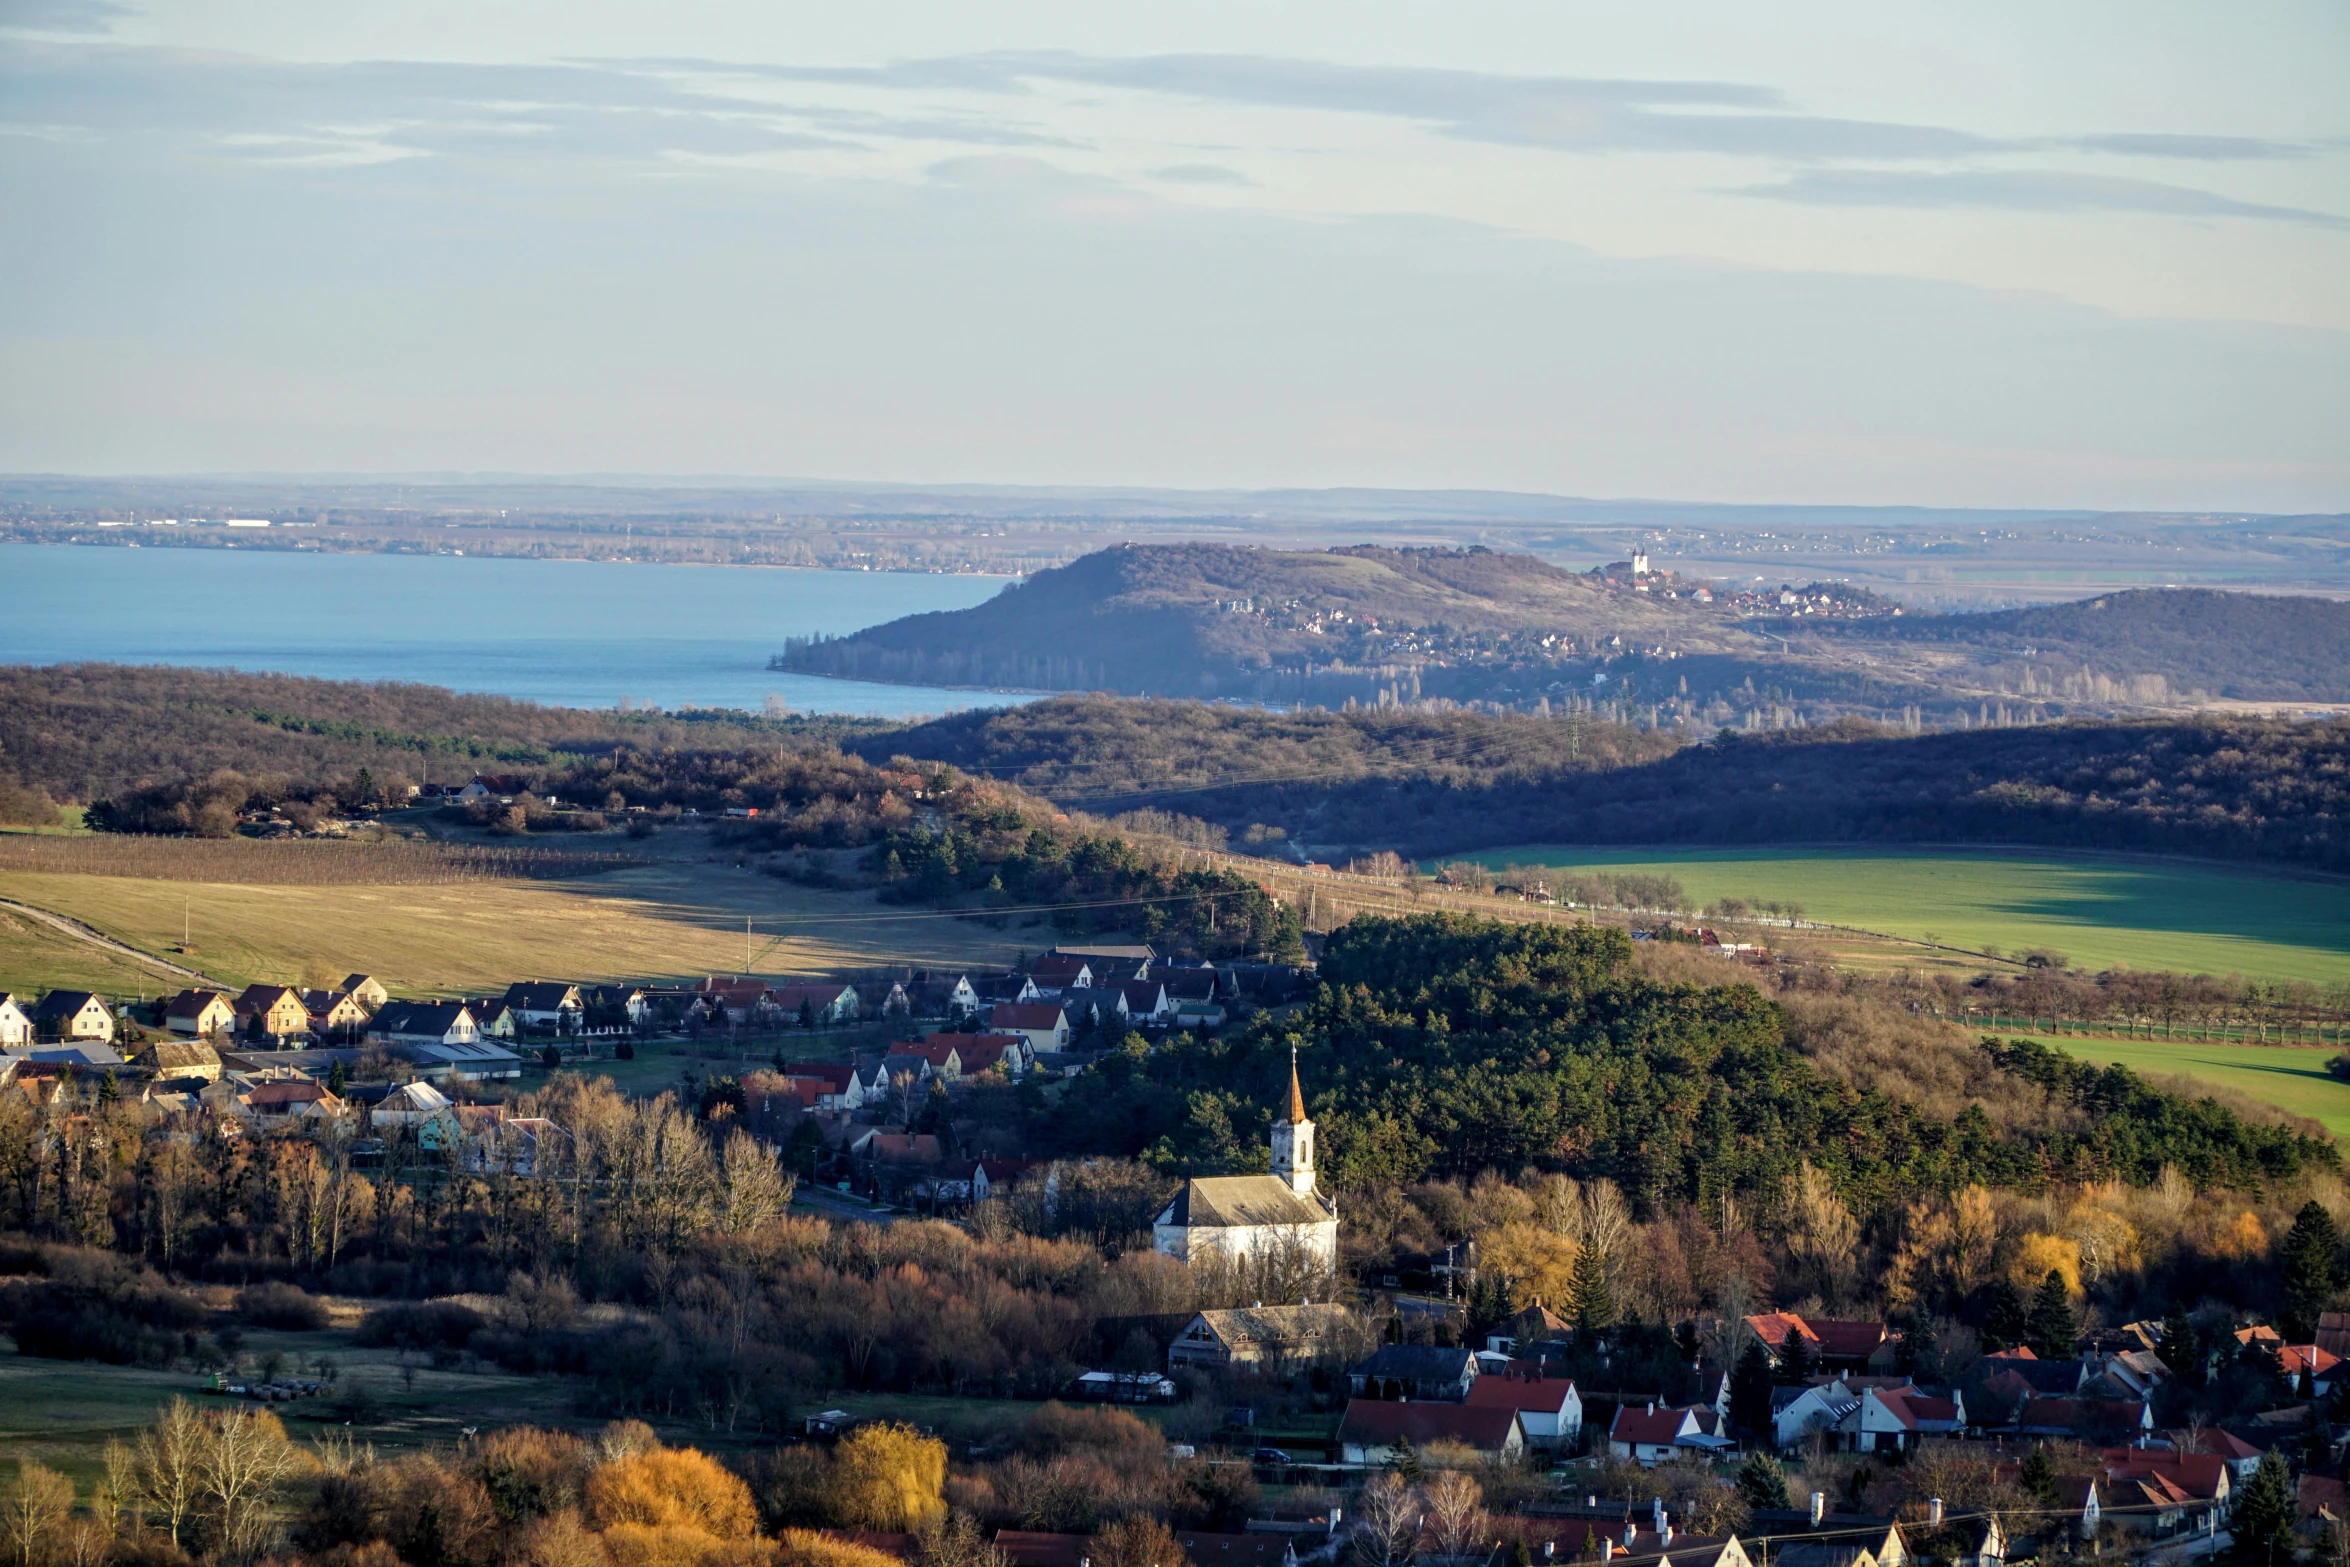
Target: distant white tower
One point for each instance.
(1639, 563)
(1293, 1139)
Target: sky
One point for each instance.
(2001, 254)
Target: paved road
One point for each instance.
(80, 932)
(832, 1205)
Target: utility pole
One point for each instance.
(746, 946)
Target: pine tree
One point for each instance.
(1750, 1390)
(2005, 1322)
(2051, 1330)
(2311, 1265)
(2037, 1476)
(1763, 1483)
(2263, 1521)
(338, 1078)
(1595, 1299)
(1406, 1459)
(1919, 1347)
(1795, 1358)
(2182, 1350)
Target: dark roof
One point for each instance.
(540, 995)
(1221, 1200)
(416, 1017)
(64, 1003)
(1414, 1362)
(1029, 1548)
(1372, 1422)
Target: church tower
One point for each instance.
(1293, 1139)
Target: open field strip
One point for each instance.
(675, 917)
(2291, 1077)
(2099, 911)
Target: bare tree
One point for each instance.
(1387, 1521)
(1456, 1513)
(245, 1458)
(756, 1187)
(33, 1510)
(170, 1461)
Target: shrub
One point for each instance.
(2340, 1066)
(432, 1324)
(673, 1488)
(281, 1306)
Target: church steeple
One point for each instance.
(1293, 1139)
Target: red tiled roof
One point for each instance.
(1520, 1393)
(1849, 1340)
(1772, 1328)
(1654, 1427)
(834, 1075)
(1027, 1548)
(2308, 1357)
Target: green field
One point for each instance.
(2099, 911)
(2289, 1077)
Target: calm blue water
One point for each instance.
(577, 634)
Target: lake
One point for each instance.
(570, 633)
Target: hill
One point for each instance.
(1426, 783)
(1282, 625)
(2242, 646)
(1382, 626)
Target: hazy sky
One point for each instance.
(2013, 254)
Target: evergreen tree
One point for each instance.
(1795, 1358)
(1595, 1299)
(2311, 1265)
(2037, 1475)
(1763, 1483)
(1750, 1390)
(2051, 1330)
(2182, 1349)
(1407, 1459)
(338, 1078)
(2263, 1521)
(2006, 1322)
(1919, 1347)
(109, 1090)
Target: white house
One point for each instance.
(1549, 1409)
(1244, 1216)
(1823, 1407)
(424, 1023)
(1651, 1435)
(16, 1024)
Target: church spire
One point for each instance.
(1297, 1098)
(1293, 1139)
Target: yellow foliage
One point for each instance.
(2041, 1254)
(673, 1489)
(807, 1548)
(1539, 1263)
(651, 1545)
(2244, 1238)
(888, 1477)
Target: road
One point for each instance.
(80, 932)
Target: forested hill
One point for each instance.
(82, 731)
(2234, 645)
(1430, 783)
(1209, 620)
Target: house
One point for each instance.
(546, 1006)
(2241, 1457)
(74, 1014)
(925, 1058)
(274, 1011)
(2162, 1495)
(1093, 1007)
(1189, 988)
(364, 989)
(977, 1053)
(827, 1004)
(1651, 1435)
(1029, 1548)
(1146, 1001)
(1264, 1549)
(1239, 1217)
(1797, 1413)
(1059, 972)
(2319, 1365)
(1897, 1419)
(1042, 1023)
(2129, 1374)
(2333, 1331)
(941, 995)
(335, 1014)
(198, 1013)
(1263, 1336)
(1833, 1344)
(180, 1060)
(438, 1061)
(286, 1103)
(418, 1108)
(2085, 1418)
(743, 1002)
(423, 1023)
(993, 989)
(1530, 1326)
(1549, 1409)
(607, 1003)
(1414, 1371)
(1372, 1428)
(836, 1083)
(16, 1024)
(493, 1019)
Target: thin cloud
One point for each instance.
(2022, 190)
(2200, 149)
(77, 18)
(1199, 174)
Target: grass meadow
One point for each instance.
(2099, 911)
(675, 917)
(2293, 1078)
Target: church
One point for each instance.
(1242, 1217)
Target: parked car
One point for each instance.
(1270, 1455)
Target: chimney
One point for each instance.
(1607, 1552)
(1652, 1406)
(1664, 1536)
(1631, 1534)
(1933, 1512)
(1819, 1507)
